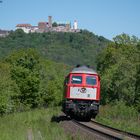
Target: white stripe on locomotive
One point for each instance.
(75, 92)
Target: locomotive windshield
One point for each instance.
(91, 80)
(76, 79)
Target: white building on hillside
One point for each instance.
(25, 27)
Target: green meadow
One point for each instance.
(32, 125)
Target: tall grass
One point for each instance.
(120, 116)
(36, 124)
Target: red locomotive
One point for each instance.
(81, 93)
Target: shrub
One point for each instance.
(9, 90)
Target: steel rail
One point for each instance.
(98, 132)
(106, 132)
(137, 137)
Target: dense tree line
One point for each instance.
(28, 81)
(69, 48)
(29, 78)
(119, 67)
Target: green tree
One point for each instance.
(9, 90)
(125, 39)
(51, 84)
(54, 24)
(119, 67)
(25, 72)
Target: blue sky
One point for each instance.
(102, 17)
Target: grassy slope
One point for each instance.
(38, 123)
(17, 126)
(121, 117)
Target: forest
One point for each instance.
(33, 67)
(68, 48)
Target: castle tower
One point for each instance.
(50, 21)
(75, 25)
(68, 26)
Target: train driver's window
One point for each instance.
(76, 79)
(91, 80)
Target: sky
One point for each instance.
(106, 18)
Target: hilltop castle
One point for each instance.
(49, 27)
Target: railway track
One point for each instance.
(137, 137)
(106, 132)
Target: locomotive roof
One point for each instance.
(83, 69)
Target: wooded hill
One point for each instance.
(29, 78)
(69, 48)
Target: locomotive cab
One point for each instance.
(81, 93)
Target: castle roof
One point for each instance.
(23, 25)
